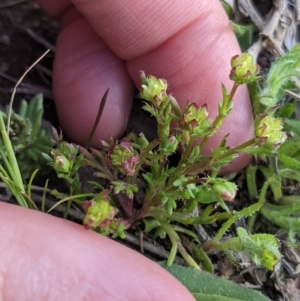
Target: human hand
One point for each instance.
(105, 45)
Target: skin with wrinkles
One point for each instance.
(60, 260)
(105, 45)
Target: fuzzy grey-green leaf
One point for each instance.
(280, 75)
(206, 287)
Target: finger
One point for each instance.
(84, 69)
(47, 258)
(190, 44)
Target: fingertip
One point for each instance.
(84, 69)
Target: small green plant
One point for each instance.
(171, 191)
(28, 138)
(142, 184)
(10, 172)
(282, 210)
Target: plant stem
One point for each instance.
(203, 258)
(68, 205)
(221, 116)
(243, 213)
(236, 149)
(202, 165)
(187, 151)
(275, 184)
(176, 245)
(261, 201)
(251, 182)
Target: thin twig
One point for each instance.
(202, 235)
(45, 70)
(40, 39)
(8, 77)
(11, 3)
(17, 84)
(156, 250)
(29, 90)
(73, 213)
(24, 84)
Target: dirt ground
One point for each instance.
(25, 34)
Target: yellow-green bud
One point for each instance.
(268, 130)
(225, 190)
(244, 70)
(124, 157)
(61, 164)
(169, 145)
(99, 211)
(195, 119)
(154, 89)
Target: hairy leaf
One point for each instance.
(293, 125)
(206, 287)
(280, 77)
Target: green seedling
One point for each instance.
(173, 191)
(9, 170)
(27, 126)
(28, 138)
(66, 161)
(140, 182)
(135, 170)
(285, 165)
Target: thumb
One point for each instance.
(46, 258)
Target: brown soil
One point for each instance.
(22, 23)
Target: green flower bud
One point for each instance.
(225, 190)
(124, 157)
(99, 211)
(154, 89)
(268, 130)
(61, 164)
(169, 145)
(269, 260)
(195, 119)
(69, 150)
(244, 70)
